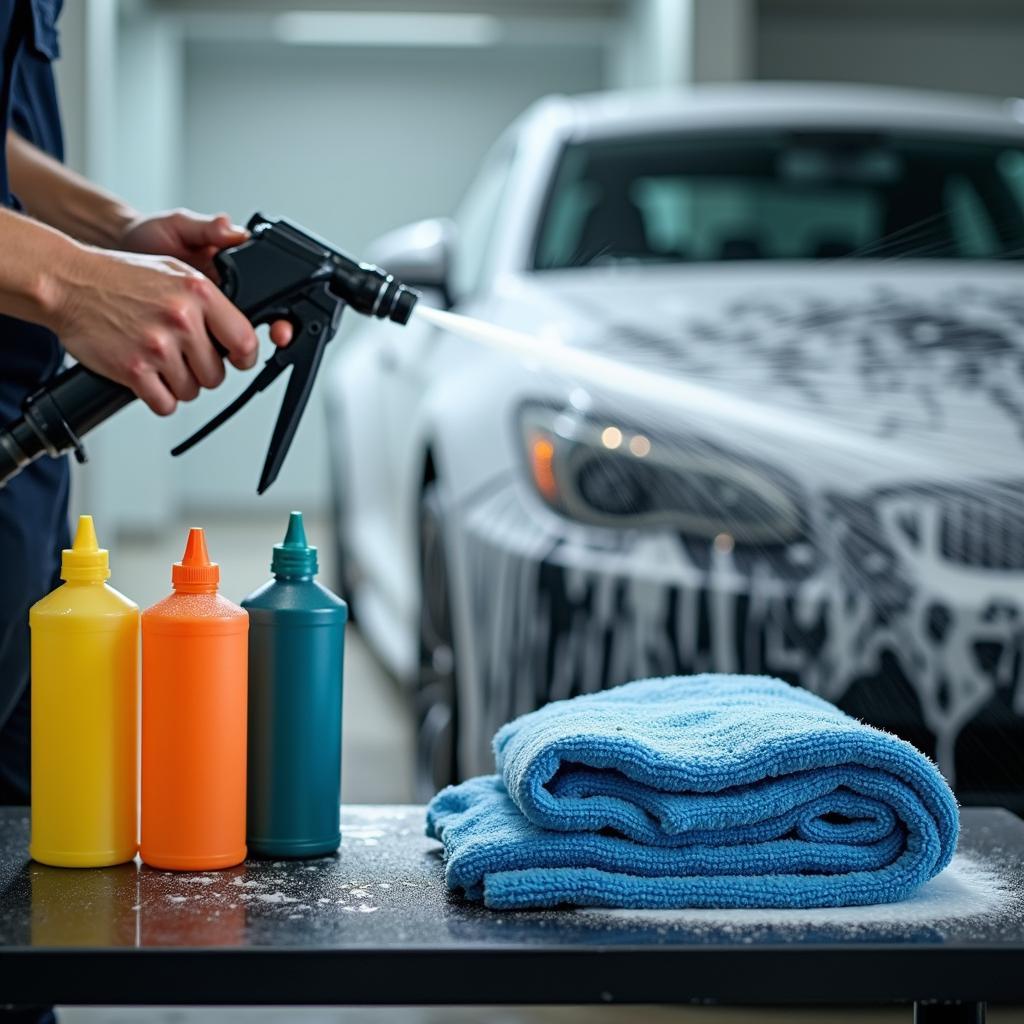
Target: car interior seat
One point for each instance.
(832, 248)
(613, 230)
(740, 249)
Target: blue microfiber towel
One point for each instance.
(701, 791)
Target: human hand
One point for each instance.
(146, 322)
(193, 238)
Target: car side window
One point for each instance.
(475, 220)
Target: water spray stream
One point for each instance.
(696, 400)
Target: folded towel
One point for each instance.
(702, 791)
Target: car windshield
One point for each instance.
(783, 196)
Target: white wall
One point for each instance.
(350, 142)
(969, 47)
(668, 43)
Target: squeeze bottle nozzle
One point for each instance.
(295, 557)
(85, 561)
(295, 535)
(195, 572)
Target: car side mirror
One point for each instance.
(419, 254)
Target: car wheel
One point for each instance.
(437, 717)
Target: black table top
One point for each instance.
(375, 925)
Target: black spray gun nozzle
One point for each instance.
(281, 272)
(374, 292)
(281, 255)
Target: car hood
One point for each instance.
(921, 365)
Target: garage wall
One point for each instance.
(351, 142)
(355, 141)
(975, 46)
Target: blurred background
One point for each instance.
(354, 119)
(357, 118)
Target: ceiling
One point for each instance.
(513, 8)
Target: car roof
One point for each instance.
(775, 104)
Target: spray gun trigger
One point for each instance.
(266, 376)
(296, 397)
(315, 315)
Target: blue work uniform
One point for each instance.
(33, 506)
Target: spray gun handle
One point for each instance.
(56, 417)
(281, 272)
(264, 274)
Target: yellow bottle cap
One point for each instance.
(85, 560)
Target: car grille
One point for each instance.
(984, 531)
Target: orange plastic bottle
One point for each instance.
(194, 687)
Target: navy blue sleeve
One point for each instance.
(29, 354)
(35, 111)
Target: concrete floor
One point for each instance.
(377, 766)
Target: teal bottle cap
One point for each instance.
(294, 557)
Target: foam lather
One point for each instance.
(700, 791)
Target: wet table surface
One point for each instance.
(375, 925)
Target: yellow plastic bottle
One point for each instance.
(85, 705)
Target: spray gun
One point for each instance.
(281, 272)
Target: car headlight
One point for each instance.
(609, 474)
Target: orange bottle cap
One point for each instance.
(195, 571)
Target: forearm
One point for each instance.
(144, 321)
(57, 196)
(34, 260)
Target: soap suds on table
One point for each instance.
(966, 889)
(276, 897)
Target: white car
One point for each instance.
(794, 443)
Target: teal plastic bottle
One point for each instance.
(296, 648)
